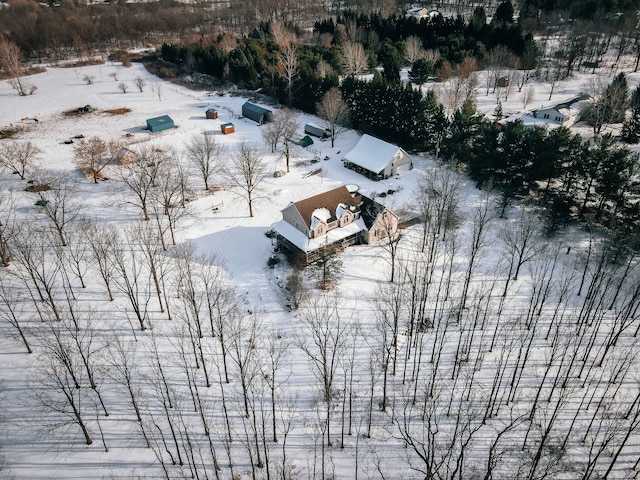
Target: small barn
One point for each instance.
(257, 113)
(157, 124)
(311, 129)
(211, 114)
(227, 128)
(377, 159)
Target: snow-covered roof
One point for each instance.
(320, 215)
(372, 153)
(529, 121)
(342, 208)
(328, 202)
(300, 240)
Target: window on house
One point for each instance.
(546, 115)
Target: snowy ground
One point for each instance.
(237, 240)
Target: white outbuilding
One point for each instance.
(377, 159)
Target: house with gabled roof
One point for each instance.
(336, 218)
(564, 114)
(377, 159)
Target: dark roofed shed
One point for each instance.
(256, 113)
(157, 124)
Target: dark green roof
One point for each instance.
(160, 123)
(255, 108)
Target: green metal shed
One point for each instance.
(256, 113)
(157, 124)
(305, 141)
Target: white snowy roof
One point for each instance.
(320, 215)
(568, 112)
(372, 153)
(342, 208)
(306, 244)
(529, 121)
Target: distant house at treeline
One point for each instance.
(157, 124)
(565, 114)
(257, 113)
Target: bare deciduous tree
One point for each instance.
(247, 171)
(11, 64)
(101, 238)
(19, 157)
(59, 203)
(132, 279)
(323, 338)
(288, 67)
(140, 83)
(521, 241)
(124, 370)
(7, 225)
(57, 385)
(462, 86)
(296, 288)
(289, 123)
(38, 273)
(156, 88)
(528, 94)
(413, 49)
(140, 177)
(354, 58)
(499, 60)
(93, 155)
(335, 112)
(324, 68)
(12, 309)
(168, 198)
(204, 154)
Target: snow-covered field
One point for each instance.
(523, 360)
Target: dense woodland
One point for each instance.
(522, 368)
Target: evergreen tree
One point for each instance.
(391, 60)
(462, 137)
(504, 12)
(421, 71)
(631, 127)
(617, 96)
